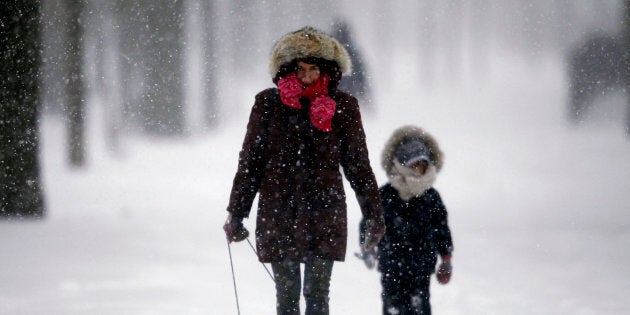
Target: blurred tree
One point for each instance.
(451, 31)
(382, 33)
(598, 66)
(211, 60)
(478, 18)
(129, 27)
(357, 82)
(427, 42)
(53, 18)
(241, 42)
(20, 186)
(75, 86)
(625, 29)
(161, 107)
(151, 70)
(109, 83)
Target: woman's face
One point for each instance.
(307, 73)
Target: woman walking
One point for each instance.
(299, 134)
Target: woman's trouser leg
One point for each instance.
(317, 273)
(288, 285)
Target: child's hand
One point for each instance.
(368, 257)
(445, 270)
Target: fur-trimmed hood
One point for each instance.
(308, 42)
(387, 158)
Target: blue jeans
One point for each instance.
(317, 274)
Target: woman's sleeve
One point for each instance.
(251, 161)
(356, 163)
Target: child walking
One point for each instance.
(417, 230)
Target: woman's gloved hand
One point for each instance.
(373, 233)
(234, 229)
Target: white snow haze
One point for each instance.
(538, 206)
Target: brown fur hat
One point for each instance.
(305, 43)
(436, 156)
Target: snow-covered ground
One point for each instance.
(538, 210)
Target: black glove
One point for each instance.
(234, 229)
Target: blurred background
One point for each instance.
(180, 68)
(122, 120)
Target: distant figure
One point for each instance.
(416, 220)
(356, 83)
(299, 136)
(596, 68)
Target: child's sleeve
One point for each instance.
(443, 232)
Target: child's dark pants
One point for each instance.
(405, 293)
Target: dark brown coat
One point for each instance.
(296, 170)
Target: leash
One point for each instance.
(238, 309)
(255, 252)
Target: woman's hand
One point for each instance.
(234, 229)
(373, 233)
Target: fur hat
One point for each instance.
(405, 135)
(412, 150)
(308, 42)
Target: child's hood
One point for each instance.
(436, 156)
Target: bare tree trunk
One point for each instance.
(427, 42)
(53, 67)
(356, 83)
(75, 107)
(211, 63)
(626, 44)
(113, 80)
(130, 25)
(163, 98)
(20, 182)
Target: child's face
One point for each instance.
(419, 167)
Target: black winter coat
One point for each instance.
(416, 232)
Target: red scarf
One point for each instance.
(322, 107)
